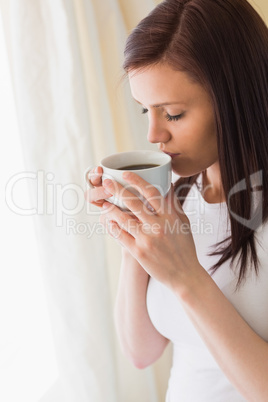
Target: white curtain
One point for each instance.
(65, 57)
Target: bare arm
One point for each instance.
(139, 339)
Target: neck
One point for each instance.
(212, 190)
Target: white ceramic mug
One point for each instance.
(159, 176)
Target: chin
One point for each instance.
(185, 172)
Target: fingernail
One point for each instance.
(106, 205)
(126, 175)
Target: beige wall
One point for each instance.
(262, 8)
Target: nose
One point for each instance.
(157, 131)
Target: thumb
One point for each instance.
(174, 202)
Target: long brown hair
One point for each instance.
(223, 45)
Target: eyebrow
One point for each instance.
(163, 104)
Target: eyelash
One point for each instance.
(168, 117)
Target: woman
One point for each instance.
(199, 69)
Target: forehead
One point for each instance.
(161, 84)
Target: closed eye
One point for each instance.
(167, 116)
(174, 118)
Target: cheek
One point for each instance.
(206, 134)
(198, 146)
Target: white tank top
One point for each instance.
(195, 375)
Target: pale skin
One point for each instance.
(171, 258)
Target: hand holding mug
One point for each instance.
(97, 194)
(154, 167)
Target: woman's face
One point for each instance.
(181, 117)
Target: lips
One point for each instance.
(171, 154)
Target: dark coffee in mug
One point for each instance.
(138, 167)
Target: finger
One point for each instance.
(97, 194)
(174, 201)
(150, 192)
(123, 219)
(94, 176)
(124, 238)
(147, 190)
(96, 203)
(171, 200)
(129, 199)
